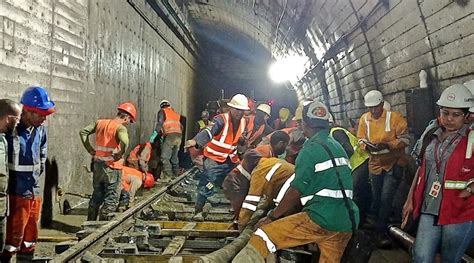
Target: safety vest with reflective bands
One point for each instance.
(106, 143)
(459, 172)
(359, 156)
(134, 154)
(224, 144)
(132, 172)
(171, 124)
(252, 135)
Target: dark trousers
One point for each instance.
(361, 185)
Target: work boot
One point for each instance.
(213, 200)
(248, 254)
(92, 213)
(198, 215)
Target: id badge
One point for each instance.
(435, 188)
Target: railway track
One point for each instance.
(157, 229)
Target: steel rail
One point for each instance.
(94, 242)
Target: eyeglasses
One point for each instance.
(16, 118)
(455, 114)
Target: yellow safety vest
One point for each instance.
(359, 156)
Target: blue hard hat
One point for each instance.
(37, 97)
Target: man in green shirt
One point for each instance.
(324, 219)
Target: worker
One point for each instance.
(384, 135)
(139, 157)
(132, 180)
(257, 127)
(27, 153)
(204, 121)
(278, 142)
(220, 149)
(237, 183)
(111, 142)
(10, 113)
(359, 161)
(266, 180)
(325, 219)
(284, 120)
(169, 125)
(441, 195)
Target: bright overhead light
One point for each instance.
(287, 69)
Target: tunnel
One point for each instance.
(93, 54)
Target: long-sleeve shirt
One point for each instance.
(3, 174)
(392, 131)
(121, 137)
(27, 152)
(206, 135)
(160, 119)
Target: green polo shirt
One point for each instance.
(316, 180)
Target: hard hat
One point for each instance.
(239, 102)
(387, 106)
(165, 103)
(149, 181)
(265, 108)
(130, 109)
(456, 96)
(470, 85)
(36, 98)
(298, 113)
(204, 114)
(373, 98)
(316, 114)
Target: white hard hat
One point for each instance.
(316, 114)
(456, 96)
(265, 108)
(386, 105)
(164, 103)
(239, 102)
(373, 98)
(470, 85)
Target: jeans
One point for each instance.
(106, 182)
(169, 154)
(452, 240)
(213, 174)
(384, 187)
(362, 197)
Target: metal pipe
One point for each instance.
(408, 241)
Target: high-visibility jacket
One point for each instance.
(171, 123)
(106, 143)
(359, 156)
(459, 173)
(224, 144)
(252, 135)
(203, 125)
(132, 172)
(136, 155)
(266, 180)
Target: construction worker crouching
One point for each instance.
(278, 143)
(111, 142)
(325, 218)
(27, 153)
(169, 125)
(132, 180)
(220, 149)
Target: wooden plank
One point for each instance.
(144, 257)
(200, 225)
(190, 244)
(199, 233)
(177, 242)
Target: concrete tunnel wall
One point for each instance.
(90, 55)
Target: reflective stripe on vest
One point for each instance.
(249, 206)
(455, 185)
(224, 144)
(252, 198)
(341, 161)
(106, 143)
(283, 189)
(172, 122)
(272, 171)
(327, 193)
(359, 156)
(243, 171)
(387, 123)
(270, 246)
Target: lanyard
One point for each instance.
(440, 157)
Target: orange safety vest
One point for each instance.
(224, 144)
(129, 171)
(251, 135)
(106, 143)
(171, 123)
(133, 156)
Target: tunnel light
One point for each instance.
(287, 69)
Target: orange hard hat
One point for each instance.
(130, 109)
(149, 181)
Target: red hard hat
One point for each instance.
(149, 181)
(130, 109)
